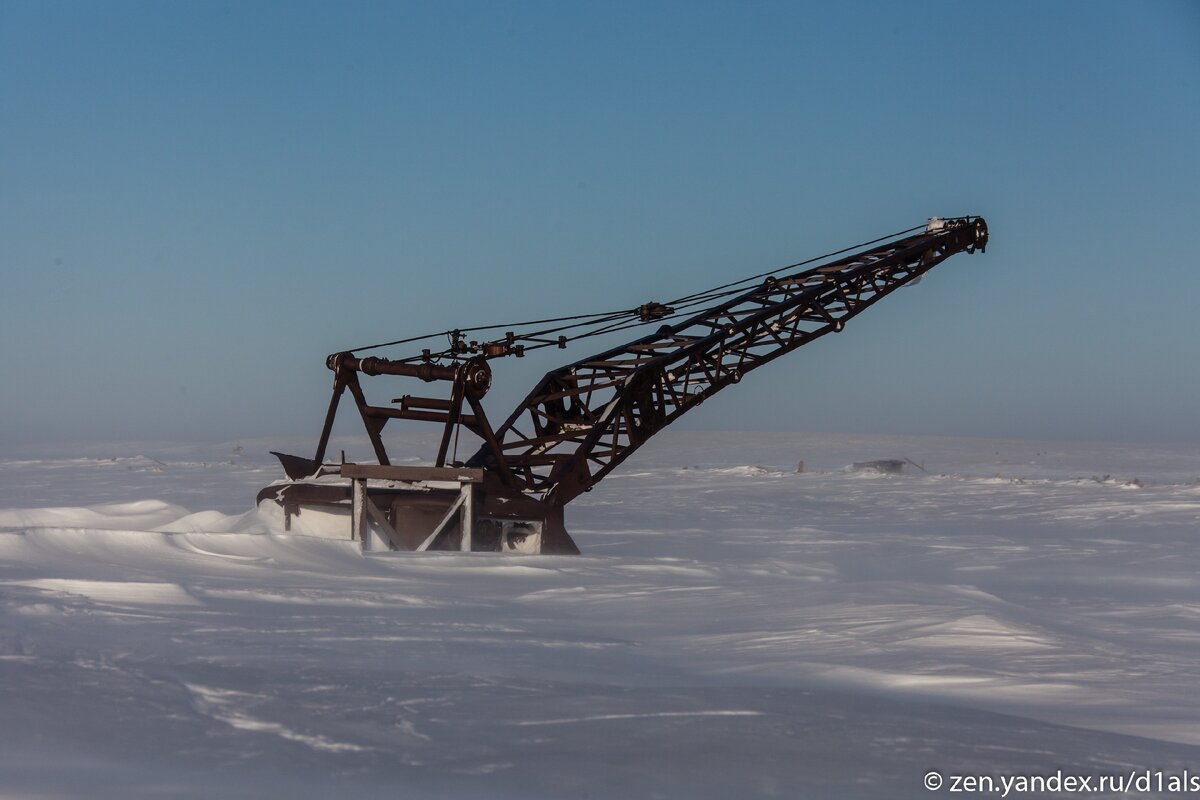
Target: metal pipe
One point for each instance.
(475, 374)
(408, 401)
(383, 366)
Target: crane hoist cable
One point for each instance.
(601, 322)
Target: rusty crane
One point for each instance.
(581, 420)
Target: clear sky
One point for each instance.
(200, 200)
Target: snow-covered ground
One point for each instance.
(733, 629)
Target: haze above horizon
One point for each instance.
(200, 201)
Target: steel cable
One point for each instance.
(612, 321)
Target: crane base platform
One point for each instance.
(391, 508)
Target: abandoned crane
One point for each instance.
(583, 419)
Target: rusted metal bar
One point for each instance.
(440, 417)
(372, 422)
(339, 386)
(412, 474)
(452, 416)
(474, 373)
(489, 438)
(382, 366)
(428, 403)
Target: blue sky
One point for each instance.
(199, 201)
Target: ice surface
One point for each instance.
(733, 629)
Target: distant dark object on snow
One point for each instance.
(888, 465)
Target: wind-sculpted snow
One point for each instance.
(733, 629)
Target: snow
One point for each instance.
(733, 629)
